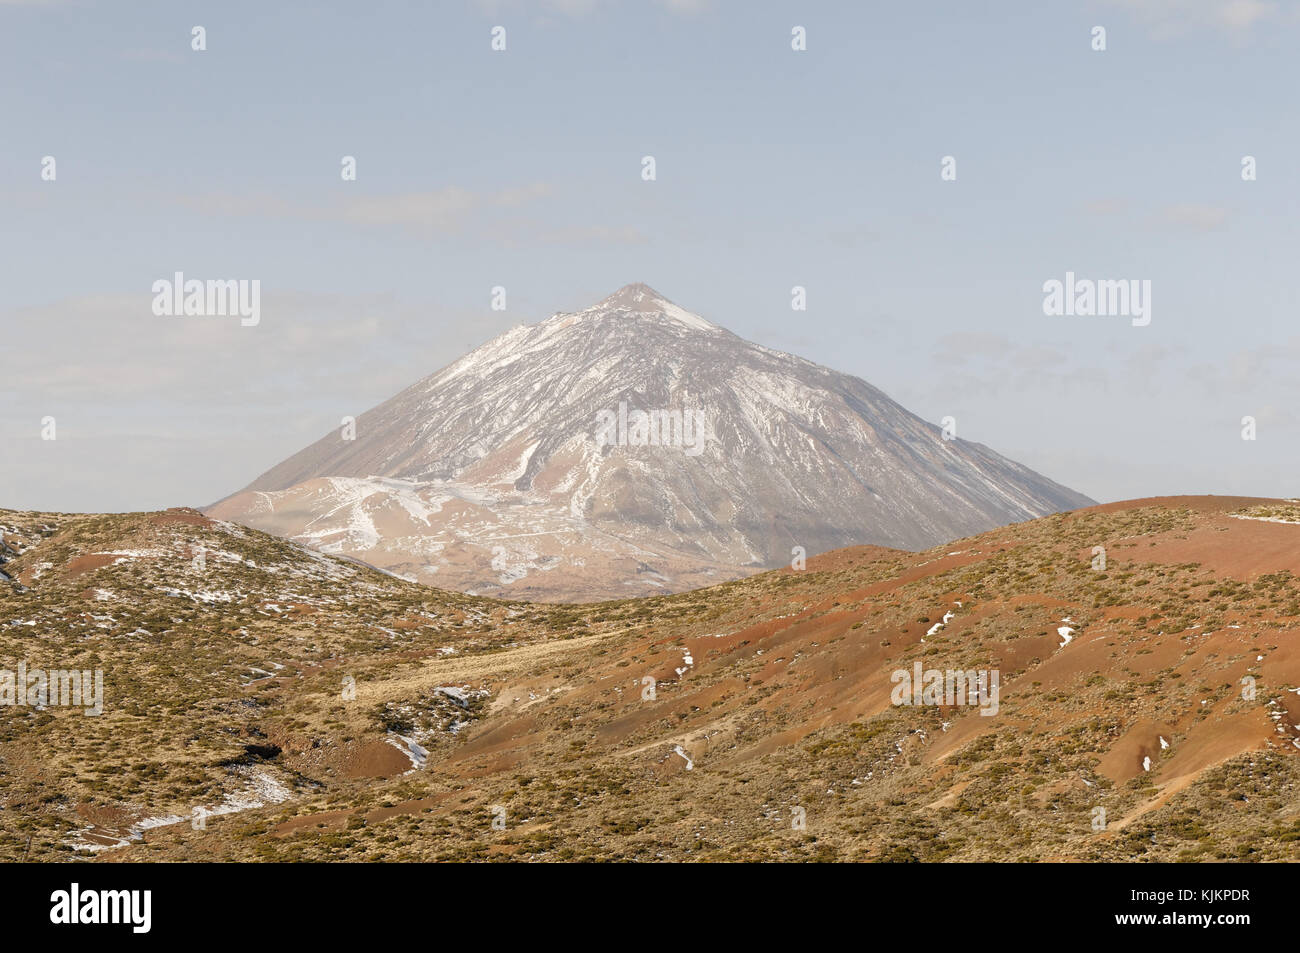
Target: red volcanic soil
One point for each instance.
(85, 564)
(1198, 504)
(1239, 548)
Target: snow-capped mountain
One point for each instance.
(629, 448)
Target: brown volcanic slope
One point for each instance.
(223, 691)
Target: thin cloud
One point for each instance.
(1235, 18)
(601, 234)
(1183, 216)
(583, 8)
(1192, 216)
(111, 348)
(1106, 207)
(962, 346)
(448, 210)
(148, 56)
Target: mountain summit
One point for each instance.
(639, 299)
(629, 448)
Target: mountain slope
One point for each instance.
(1146, 710)
(490, 475)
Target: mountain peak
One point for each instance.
(635, 297)
(641, 299)
(495, 474)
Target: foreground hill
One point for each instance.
(317, 709)
(495, 475)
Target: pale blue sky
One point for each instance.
(522, 169)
